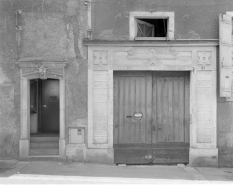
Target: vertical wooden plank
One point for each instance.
(123, 111)
(129, 109)
(126, 111)
(132, 107)
(144, 103)
(135, 108)
(164, 92)
(159, 109)
(154, 108)
(170, 110)
(141, 122)
(137, 136)
(187, 107)
(120, 110)
(176, 109)
(181, 117)
(148, 128)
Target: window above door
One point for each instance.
(151, 25)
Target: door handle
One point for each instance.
(44, 106)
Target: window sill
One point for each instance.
(150, 38)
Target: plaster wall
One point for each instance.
(50, 28)
(224, 130)
(194, 19)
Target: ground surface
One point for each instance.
(53, 172)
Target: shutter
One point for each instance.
(225, 34)
(144, 29)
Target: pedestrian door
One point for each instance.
(151, 117)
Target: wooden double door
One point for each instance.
(151, 117)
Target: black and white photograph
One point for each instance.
(116, 92)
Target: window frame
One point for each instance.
(151, 15)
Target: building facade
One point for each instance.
(133, 82)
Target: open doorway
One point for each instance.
(44, 106)
(44, 117)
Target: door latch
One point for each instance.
(44, 106)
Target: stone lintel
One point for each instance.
(50, 62)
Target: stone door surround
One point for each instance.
(196, 56)
(43, 68)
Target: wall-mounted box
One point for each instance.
(76, 135)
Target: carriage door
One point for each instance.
(151, 117)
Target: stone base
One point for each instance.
(23, 147)
(205, 157)
(104, 156)
(80, 153)
(62, 147)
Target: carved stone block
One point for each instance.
(204, 58)
(100, 57)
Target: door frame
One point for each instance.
(197, 56)
(33, 70)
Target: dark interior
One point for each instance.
(160, 26)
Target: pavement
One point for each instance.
(54, 172)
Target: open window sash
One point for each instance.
(144, 29)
